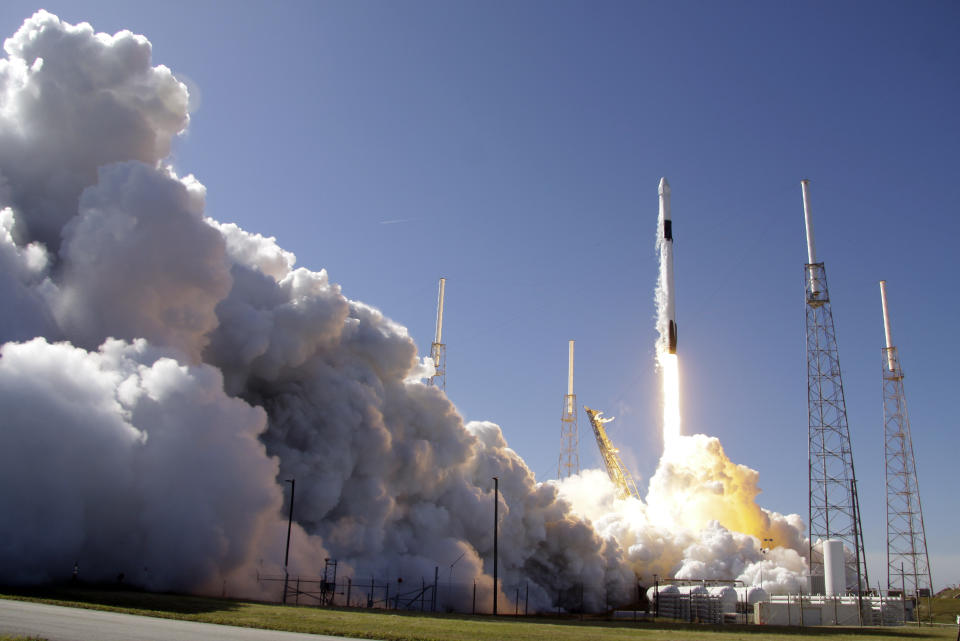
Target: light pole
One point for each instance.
(286, 557)
(496, 525)
(763, 552)
(450, 578)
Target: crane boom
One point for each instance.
(616, 470)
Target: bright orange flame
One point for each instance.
(671, 398)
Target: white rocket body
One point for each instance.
(666, 247)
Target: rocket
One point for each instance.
(666, 249)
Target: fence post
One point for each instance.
(349, 585)
(473, 609)
(436, 574)
(516, 604)
(526, 601)
(296, 600)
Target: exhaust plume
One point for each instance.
(162, 373)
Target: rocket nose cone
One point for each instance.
(664, 186)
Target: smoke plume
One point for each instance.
(162, 374)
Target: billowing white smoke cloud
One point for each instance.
(162, 373)
(114, 459)
(699, 520)
(183, 368)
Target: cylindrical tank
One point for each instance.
(664, 589)
(727, 596)
(691, 589)
(751, 594)
(834, 574)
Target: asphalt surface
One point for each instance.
(57, 623)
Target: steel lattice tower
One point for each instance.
(907, 556)
(438, 350)
(834, 506)
(569, 463)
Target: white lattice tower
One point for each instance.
(908, 564)
(834, 508)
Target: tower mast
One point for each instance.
(569, 463)
(907, 556)
(832, 483)
(438, 350)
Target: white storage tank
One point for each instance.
(751, 594)
(727, 596)
(834, 571)
(664, 590)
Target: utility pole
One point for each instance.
(286, 557)
(496, 528)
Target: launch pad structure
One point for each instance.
(569, 462)
(616, 470)
(907, 557)
(438, 350)
(832, 482)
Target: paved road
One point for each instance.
(57, 623)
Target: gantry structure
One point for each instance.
(616, 470)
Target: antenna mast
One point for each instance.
(438, 350)
(834, 505)
(906, 537)
(569, 463)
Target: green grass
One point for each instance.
(945, 608)
(7, 637)
(399, 626)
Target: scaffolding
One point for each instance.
(908, 564)
(616, 470)
(569, 462)
(834, 508)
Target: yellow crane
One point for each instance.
(616, 470)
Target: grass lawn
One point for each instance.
(399, 626)
(945, 606)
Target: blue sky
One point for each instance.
(515, 148)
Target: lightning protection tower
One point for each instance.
(832, 483)
(907, 557)
(438, 350)
(569, 438)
